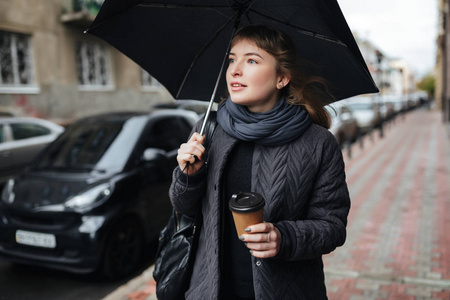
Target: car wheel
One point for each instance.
(124, 249)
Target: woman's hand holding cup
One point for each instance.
(263, 240)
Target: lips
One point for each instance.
(237, 85)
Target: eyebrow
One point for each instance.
(249, 54)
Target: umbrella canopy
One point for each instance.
(183, 43)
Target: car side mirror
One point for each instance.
(153, 154)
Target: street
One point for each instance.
(19, 282)
(22, 282)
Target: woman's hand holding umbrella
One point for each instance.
(189, 151)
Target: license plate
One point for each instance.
(36, 239)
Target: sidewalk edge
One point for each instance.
(134, 284)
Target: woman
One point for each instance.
(272, 139)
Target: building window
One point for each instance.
(148, 82)
(92, 6)
(16, 63)
(93, 66)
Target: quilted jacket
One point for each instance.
(307, 199)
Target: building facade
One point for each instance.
(442, 91)
(50, 68)
(392, 76)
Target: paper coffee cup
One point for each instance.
(247, 209)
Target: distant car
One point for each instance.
(386, 109)
(97, 196)
(398, 102)
(21, 139)
(344, 125)
(387, 106)
(366, 112)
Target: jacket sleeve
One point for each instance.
(186, 190)
(324, 226)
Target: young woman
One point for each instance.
(272, 139)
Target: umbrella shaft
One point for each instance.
(211, 102)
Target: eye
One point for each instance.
(231, 60)
(252, 61)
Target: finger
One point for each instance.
(196, 137)
(186, 158)
(189, 146)
(256, 246)
(263, 254)
(192, 149)
(261, 227)
(255, 238)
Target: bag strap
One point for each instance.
(210, 128)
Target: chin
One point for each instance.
(240, 101)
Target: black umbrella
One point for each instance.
(184, 44)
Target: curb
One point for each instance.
(135, 288)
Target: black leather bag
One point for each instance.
(176, 254)
(177, 246)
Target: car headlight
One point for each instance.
(89, 197)
(8, 194)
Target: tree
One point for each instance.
(428, 84)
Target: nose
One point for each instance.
(235, 69)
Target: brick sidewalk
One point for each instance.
(397, 247)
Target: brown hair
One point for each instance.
(307, 90)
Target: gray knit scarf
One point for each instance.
(282, 124)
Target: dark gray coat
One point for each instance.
(307, 199)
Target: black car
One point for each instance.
(97, 196)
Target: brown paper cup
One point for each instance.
(247, 209)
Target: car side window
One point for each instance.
(22, 131)
(168, 134)
(2, 134)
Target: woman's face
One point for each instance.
(252, 78)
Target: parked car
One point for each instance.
(97, 196)
(366, 112)
(386, 107)
(344, 125)
(197, 106)
(398, 102)
(21, 139)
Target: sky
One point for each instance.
(401, 29)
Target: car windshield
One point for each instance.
(102, 146)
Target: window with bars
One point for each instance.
(16, 64)
(93, 66)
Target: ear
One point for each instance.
(283, 80)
